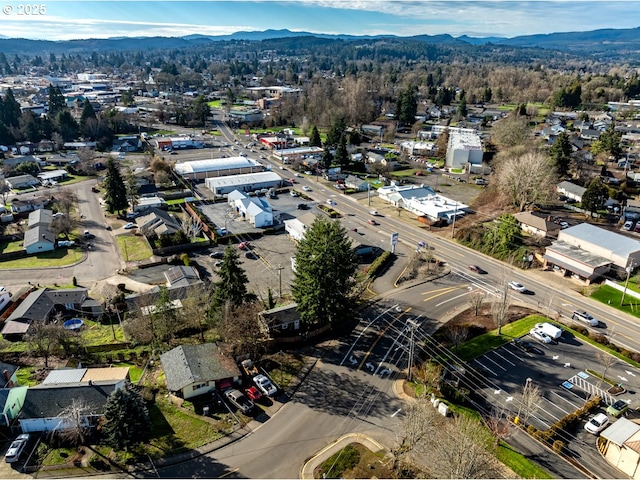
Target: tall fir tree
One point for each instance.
(115, 190)
(342, 155)
(232, 286)
(10, 112)
(324, 277)
(57, 102)
(315, 140)
(560, 154)
(126, 419)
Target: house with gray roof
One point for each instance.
(22, 181)
(356, 183)
(39, 239)
(158, 222)
(540, 226)
(40, 414)
(29, 204)
(181, 275)
(192, 370)
(42, 305)
(571, 190)
(42, 217)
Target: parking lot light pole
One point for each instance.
(629, 269)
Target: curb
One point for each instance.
(306, 471)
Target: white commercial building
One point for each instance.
(423, 201)
(464, 149)
(217, 167)
(246, 182)
(254, 209)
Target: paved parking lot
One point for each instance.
(561, 371)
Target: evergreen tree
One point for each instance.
(10, 112)
(57, 103)
(314, 140)
(66, 125)
(336, 131)
(232, 286)
(608, 142)
(327, 159)
(88, 120)
(201, 110)
(560, 154)
(126, 419)
(407, 106)
(324, 277)
(595, 196)
(342, 155)
(115, 190)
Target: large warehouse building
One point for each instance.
(247, 182)
(217, 167)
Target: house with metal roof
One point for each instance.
(192, 370)
(79, 375)
(42, 217)
(256, 210)
(181, 275)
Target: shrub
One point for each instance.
(379, 263)
(184, 258)
(336, 464)
(558, 445)
(599, 338)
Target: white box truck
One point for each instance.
(551, 330)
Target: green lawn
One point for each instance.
(490, 340)
(60, 257)
(175, 201)
(8, 247)
(134, 248)
(612, 297)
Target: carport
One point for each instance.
(621, 446)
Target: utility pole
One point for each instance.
(279, 268)
(455, 214)
(629, 269)
(411, 325)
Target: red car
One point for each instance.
(244, 246)
(253, 393)
(477, 269)
(372, 221)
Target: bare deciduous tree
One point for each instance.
(525, 177)
(429, 374)
(62, 224)
(72, 424)
(65, 200)
(190, 226)
(241, 328)
(530, 399)
(476, 300)
(44, 338)
(511, 132)
(607, 361)
(457, 334)
(500, 306)
(5, 190)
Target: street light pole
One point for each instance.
(629, 269)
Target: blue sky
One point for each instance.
(64, 20)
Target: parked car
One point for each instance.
(563, 225)
(308, 172)
(238, 399)
(265, 385)
(131, 215)
(253, 393)
(244, 246)
(66, 243)
(217, 254)
(477, 269)
(306, 189)
(293, 193)
(540, 335)
(16, 448)
(628, 225)
(517, 286)
(481, 181)
(584, 317)
(251, 255)
(620, 407)
(330, 202)
(129, 226)
(527, 346)
(597, 423)
(302, 206)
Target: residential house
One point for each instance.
(158, 222)
(127, 144)
(15, 161)
(356, 183)
(52, 176)
(11, 402)
(22, 181)
(63, 159)
(181, 275)
(296, 227)
(40, 218)
(29, 205)
(8, 378)
(284, 320)
(42, 305)
(256, 210)
(146, 203)
(40, 414)
(541, 226)
(38, 240)
(571, 190)
(192, 370)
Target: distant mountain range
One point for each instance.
(606, 43)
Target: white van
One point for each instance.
(551, 330)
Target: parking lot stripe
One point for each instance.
(504, 358)
(485, 367)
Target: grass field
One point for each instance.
(60, 257)
(613, 297)
(134, 248)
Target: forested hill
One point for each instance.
(607, 45)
